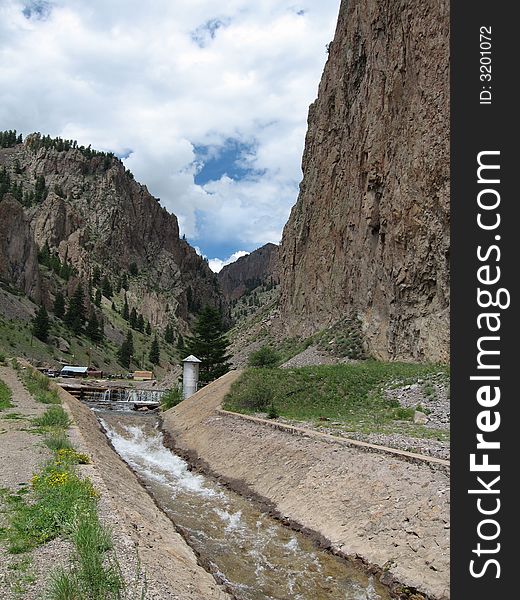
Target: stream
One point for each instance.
(255, 555)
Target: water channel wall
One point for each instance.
(388, 510)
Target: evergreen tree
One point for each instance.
(59, 305)
(97, 299)
(155, 352)
(75, 315)
(113, 307)
(96, 276)
(209, 344)
(124, 281)
(44, 254)
(94, 328)
(106, 287)
(40, 326)
(133, 318)
(126, 312)
(132, 268)
(40, 191)
(168, 334)
(181, 348)
(148, 328)
(140, 323)
(126, 351)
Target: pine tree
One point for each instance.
(40, 326)
(140, 323)
(59, 305)
(155, 352)
(94, 328)
(126, 351)
(97, 300)
(133, 318)
(181, 348)
(126, 312)
(96, 276)
(106, 287)
(168, 334)
(209, 344)
(148, 328)
(124, 281)
(40, 191)
(75, 315)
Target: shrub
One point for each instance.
(2, 358)
(265, 357)
(272, 413)
(171, 398)
(258, 398)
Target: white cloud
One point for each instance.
(216, 264)
(159, 79)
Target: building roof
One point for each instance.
(192, 359)
(74, 369)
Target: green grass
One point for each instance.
(350, 394)
(40, 388)
(58, 497)
(53, 417)
(63, 504)
(57, 441)
(14, 416)
(5, 396)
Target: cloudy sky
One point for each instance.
(206, 102)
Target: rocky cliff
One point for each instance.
(91, 213)
(369, 233)
(18, 252)
(248, 272)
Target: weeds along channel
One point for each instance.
(61, 503)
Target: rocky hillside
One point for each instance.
(248, 272)
(86, 210)
(369, 234)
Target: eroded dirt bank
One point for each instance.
(169, 563)
(391, 513)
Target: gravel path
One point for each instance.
(21, 454)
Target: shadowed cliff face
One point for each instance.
(95, 213)
(18, 252)
(370, 231)
(248, 272)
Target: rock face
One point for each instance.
(369, 233)
(248, 272)
(94, 214)
(18, 252)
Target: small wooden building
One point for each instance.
(143, 375)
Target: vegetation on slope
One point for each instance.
(349, 393)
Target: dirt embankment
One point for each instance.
(388, 511)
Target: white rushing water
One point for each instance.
(252, 553)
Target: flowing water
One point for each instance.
(256, 556)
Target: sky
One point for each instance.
(205, 102)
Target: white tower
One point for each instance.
(190, 376)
